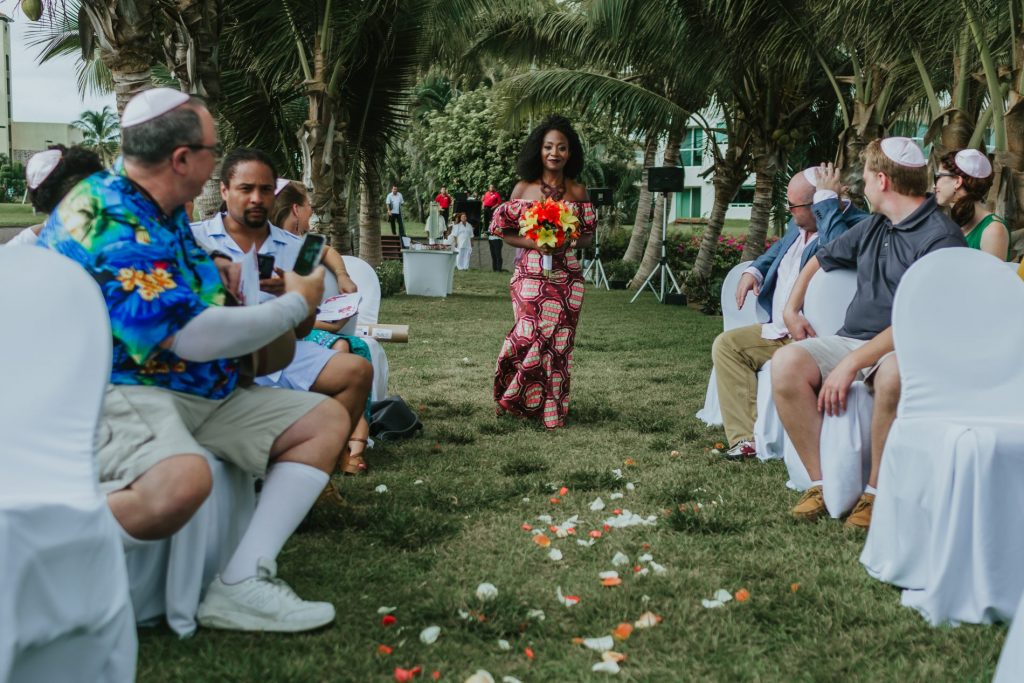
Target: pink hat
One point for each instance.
(904, 152)
(149, 104)
(973, 163)
(40, 166)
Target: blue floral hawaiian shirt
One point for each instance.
(154, 276)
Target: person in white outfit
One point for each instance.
(462, 239)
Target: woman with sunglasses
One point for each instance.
(963, 181)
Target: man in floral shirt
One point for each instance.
(174, 389)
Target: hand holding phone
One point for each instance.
(266, 265)
(311, 287)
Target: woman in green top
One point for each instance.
(963, 181)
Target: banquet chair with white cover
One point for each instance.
(365, 277)
(1011, 661)
(732, 317)
(65, 613)
(950, 498)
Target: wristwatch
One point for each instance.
(216, 253)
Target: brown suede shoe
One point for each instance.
(811, 506)
(860, 518)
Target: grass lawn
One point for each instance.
(17, 216)
(640, 375)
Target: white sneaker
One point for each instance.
(261, 603)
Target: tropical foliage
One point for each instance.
(101, 132)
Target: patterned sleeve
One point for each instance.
(588, 218)
(506, 217)
(147, 298)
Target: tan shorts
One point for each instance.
(143, 425)
(827, 352)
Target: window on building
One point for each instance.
(688, 203)
(744, 196)
(691, 153)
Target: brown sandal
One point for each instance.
(352, 463)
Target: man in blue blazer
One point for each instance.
(819, 216)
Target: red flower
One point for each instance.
(388, 620)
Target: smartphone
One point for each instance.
(266, 263)
(309, 253)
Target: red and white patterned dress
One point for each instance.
(532, 377)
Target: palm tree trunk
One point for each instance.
(729, 175)
(652, 254)
(764, 180)
(642, 221)
(369, 217)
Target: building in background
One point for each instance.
(694, 203)
(21, 139)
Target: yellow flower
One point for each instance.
(527, 223)
(568, 219)
(131, 278)
(546, 236)
(160, 278)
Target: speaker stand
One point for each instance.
(595, 269)
(662, 270)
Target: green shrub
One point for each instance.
(681, 251)
(619, 270)
(613, 244)
(391, 278)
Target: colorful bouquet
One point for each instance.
(549, 223)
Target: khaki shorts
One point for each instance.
(141, 426)
(827, 352)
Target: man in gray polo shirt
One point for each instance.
(812, 376)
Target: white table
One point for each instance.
(428, 272)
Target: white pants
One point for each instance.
(462, 261)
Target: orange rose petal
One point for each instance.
(384, 650)
(542, 540)
(629, 462)
(595, 534)
(622, 631)
(577, 641)
(571, 531)
(742, 595)
(562, 491)
(646, 546)
(436, 675)
(553, 529)
(529, 653)
(617, 511)
(407, 675)
(526, 527)
(607, 527)
(719, 445)
(794, 587)
(609, 583)
(554, 501)
(612, 656)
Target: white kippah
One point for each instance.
(973, 163)
(811, 174)
(149, 104)
(280, 185)
(904, 152)
(40, 166)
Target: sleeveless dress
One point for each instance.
(532, 375)
(973, 238)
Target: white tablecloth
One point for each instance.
(428, 272)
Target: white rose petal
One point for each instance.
(608, 575)
(620, 560)
(712, 604)
(646, 557)
(480, 676)
(504, 645)
(486, 591)
(631, 486)
(568, 602)
(602, 644)
(417, 482)
(722, 595)
(546, 519)
(555, 555)
(510, 679)
(526, 500)
(608, 667)
(656, 568)
(589, 542)
(616, 495)
(381, 489)
(597, 505)
(537, 614)
(430, 634)
(386, 610)
(617, 472)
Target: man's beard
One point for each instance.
(254, 218)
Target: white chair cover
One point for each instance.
(711, 413)
(169, 577)
(769, 435)
(951, 486)
(1011, 661)
(828, 296)
(365, 277)
(65, 613)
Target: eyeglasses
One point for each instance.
(798, 206)
(943, 174)
(216, 149)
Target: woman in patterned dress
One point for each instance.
(532, 377)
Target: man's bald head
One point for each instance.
(800, 194)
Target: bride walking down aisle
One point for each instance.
(533, 374)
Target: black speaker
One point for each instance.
(601, 196)
(473, 208)
(664, 179)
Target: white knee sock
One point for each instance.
(817, 482)
(289, 491)
(871, 489)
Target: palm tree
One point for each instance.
(101, 132)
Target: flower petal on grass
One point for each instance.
(647, 620)
(613, 656)
(526, 527)
(631, 486)
(620, 559)
(608, 575)
(430, 634)
(386, 610)
(381, 489)
(598, 644)
(597, 504)
(606, 667)
(618, 473)
(486, 591)
(504, 645)
(384, 649)
(742, 595)
(722, 595)
(794, 587)
(529, 653)
(542, 540)
(623, 631)
(510, 679)
(611, 583)
(480, 676)
(564, 490)
(595, 534)
(656, 568)
(406, 675)
(546, 519)
(646, 557)
(555, 555)
(567, 600)
(388, 620)
(537, 614)
(617, 495)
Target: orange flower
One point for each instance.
(742, 595)
(595, 534)
(436, 675)
(542, 540)
(794, 587)
(529, 653)
(622, 631)
(555, 501)
(384, 650)
(406, 675)
(629, 462)
(526, 527)
(617, 512)
(562, 491)
(553, 529)
(719, 445)
(612, 582)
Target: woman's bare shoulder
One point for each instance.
(521, 189)
(576, 192)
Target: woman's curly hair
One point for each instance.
(529, 165)
(76, 164)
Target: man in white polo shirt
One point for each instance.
(248, 179)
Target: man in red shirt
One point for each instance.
(490, 202)
(444, 200)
